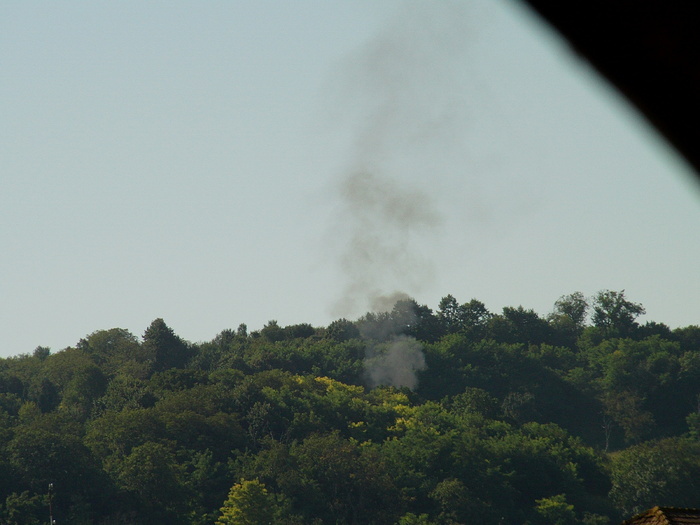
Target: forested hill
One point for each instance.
(455, 415)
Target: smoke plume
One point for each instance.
(398, 102)
(392, 358)
(395, 363)
(382, 224)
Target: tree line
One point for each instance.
(585, 415)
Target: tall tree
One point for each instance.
(469, 318)
(616, 315)
(449, 314)
(574, 306)
(658, 471)
(165, 348)
(248, 503)
(342, 330)
(518, 325)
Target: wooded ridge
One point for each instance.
(415, 416)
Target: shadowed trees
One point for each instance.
(165, 348)
(516, 418)
(615, 314)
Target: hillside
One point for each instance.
(454, 415)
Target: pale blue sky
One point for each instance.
(186, 160)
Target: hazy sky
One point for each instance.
(218, 163)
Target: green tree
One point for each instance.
(45, 393)
(152, 474)
(624, 407)
(415, 519)
(469, 318)
(353, 480)
(165, 348)
(248, 503)
(116, 351)
(688, 337)
(456, 502)
(273, 332)
(342, 330)
(475, 400)
(415, 320)
(85, 387)
(114, 434)
(574, 306)
(23, 509)
(41, 352)
(555, 511)
(475, 317)
(568, 319)
(518, 325)
(449, 314)
(646, 386)
(299, 331)
(125, 392)
(615, 314)
(47, 450)
(665, 473)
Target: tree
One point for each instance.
(449, 314)
(45, 394)
(646, 380)
(555, 510)
(342, 330)
(574, 306)
(415, 320)
(125, 392)
(624, 407)
(165, 348)
(23, 509)
(415, 519)
(273, 332)
(342, 482)
(614, 314)
(248, 503)
(115, 350)
(456, 502)
(518, 325)
(664, 472)
(688, 337)
(568, 319)
(474, 316)
(299, 331)
(85, 387)
(42, 352)
(113, 435)
(47, 451)
(475, 400)
(469, 318)
(152, 474)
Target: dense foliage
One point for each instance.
(414, 416)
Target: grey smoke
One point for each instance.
(391, 358)
(400, 98)
(382, 225)
(394, 363)
(386, 303)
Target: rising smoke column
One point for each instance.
(395, 363)
(391, 358)
(385, 218)
(403, 103)
(400, 104)
(383, 222)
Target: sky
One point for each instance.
(227, 162)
